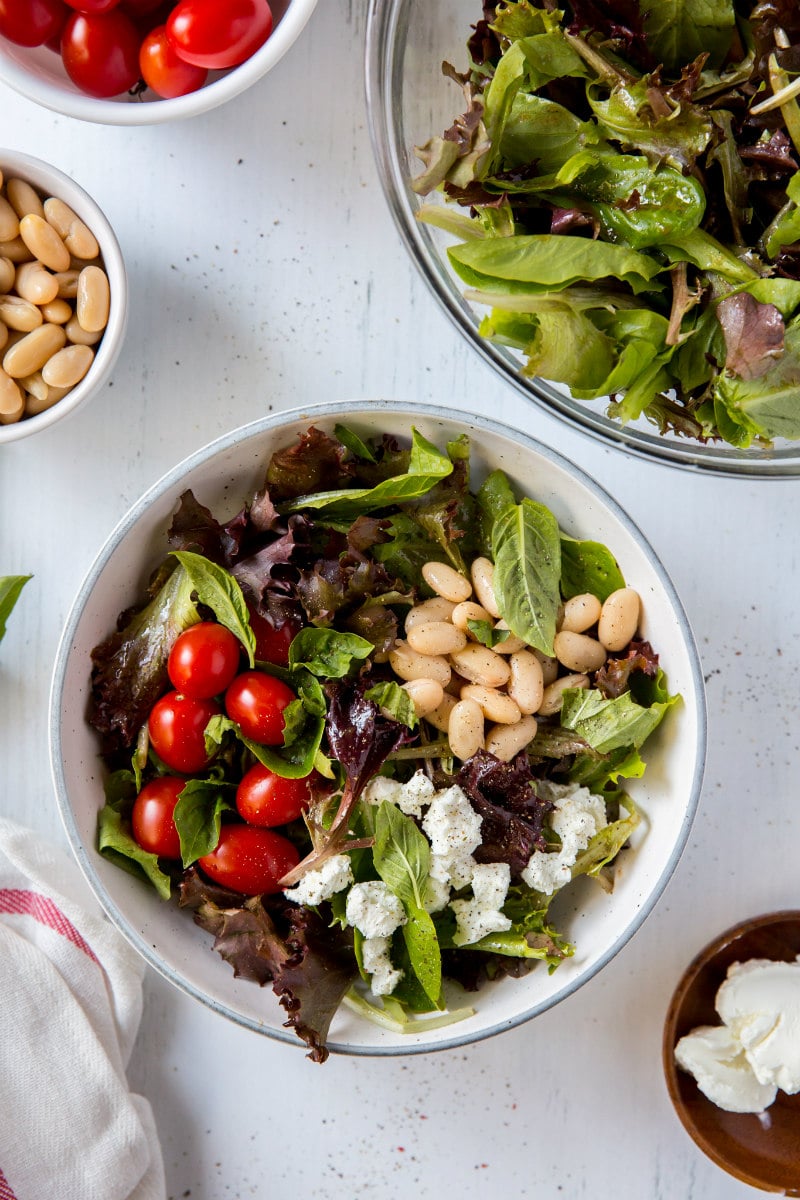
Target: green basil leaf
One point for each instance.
(197, 817)
(401, 854)
(424, 955)
(494, 497)
(294, 761)
(487, 634)
(10, 588)
(610, 724)
(353, 443)
(588, 567)
(116, 843)
(218, 590)
(396, 700)
(527, 571)
(327, 652)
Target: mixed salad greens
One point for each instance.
(625, 185)
(403, 867)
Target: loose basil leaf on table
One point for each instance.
(10, 588)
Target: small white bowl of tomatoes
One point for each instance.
(140, 62)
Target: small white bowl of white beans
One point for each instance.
(63, 296)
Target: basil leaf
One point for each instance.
(353, 443)
(527, 570)
(197, 817)
(401, 854)
(10, 588)
(116, 843)
(487, 634)
(588, 567)
(494, 497)
(218, 590)
(425, 957)
(327, 652)
(395, 700)
(293, 761)
(610, 724)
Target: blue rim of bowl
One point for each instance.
(386, 35)
(173, 478)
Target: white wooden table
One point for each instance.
(265, 272)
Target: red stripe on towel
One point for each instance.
(42, 909)
(6, 1192)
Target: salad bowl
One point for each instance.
(411, 102)
(222, 476)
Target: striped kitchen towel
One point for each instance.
(70, 1005)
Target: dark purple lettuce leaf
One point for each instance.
(618, 22)
(754, 334)
(377, 623)
(504, 795)
(315, 463)
(614, 677)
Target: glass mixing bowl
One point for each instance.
(409, 100)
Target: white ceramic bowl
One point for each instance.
(49, 181)
(222, 475)
(39, 74)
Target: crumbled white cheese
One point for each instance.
(409, 797)
(377, 963)
(576, 818)
(453, 829)
(715, 1057)
(322, 882)
(437, 893)
(373, 909)
(481, 915)
(760, 1003)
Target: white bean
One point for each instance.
(526, 685)
(12, 400)
(465, 729)
(426, 695)
(482, 572)
(446, 581)
(439, 717)
(409, 664)
(32, 352)
(467, 611)
(619, 618)
(506, 741)
(578, 651)
(495, 705)
(435, 609)
(34, 406)
(43, 242)
(93, 299)
(77, 237)
(58, 311)
(7, 274)
(511, 644)
(78, 335)
(19, 314)
(435, 637)
(549, 666)
(34, 283)
(580, 613)
(23, 198)
(479, 664)
(9, 221)
(16, 250)
(553, 696)
(67, 366)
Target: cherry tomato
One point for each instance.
(92, 6)
(250, 860)
(205, 658)
(32, 22)
(101, 52)
(152, 817)
(264, 798)
(168, 76)
(255, 701)
(176, 726)
(272, 641)
(210, 34)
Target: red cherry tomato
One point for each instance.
(101, 52)
(272, 641)
(255, 701)
(32, 22)
(250, 860)
(152, 817)
(176, 726)
(92, 6)
(214, 35)
(168, 76)
(264, 798)
(205, 658)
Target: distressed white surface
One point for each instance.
(265, 272)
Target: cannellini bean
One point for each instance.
(435, 609)
(32, 352)
(34, 406)
(526, 685)
(9, 221)
(35, 385)
(479, 664)
(619, 618)
(580, 613)
(446, 581)
(67, 283)
(34, 283)
(482, 573)
(426, 695)
(553, 695)
(439, 717)
(16, 250)
(495, 705)
(410, 664)
(44, 243)
(549, 666)
(435, 637)
(465, 729)
(68, 366)
(511, 644)
(578, 651)
(467, 611)
(93, 299)
(12, 400)
(19, 314)
(78, 335)
(77, 236)
(58, 311)
(506, 741)
(7, 273)
(23, 198)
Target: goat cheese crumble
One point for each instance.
(319, 884)
(481, 915)
(576, 818)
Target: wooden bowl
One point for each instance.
(761, 1149)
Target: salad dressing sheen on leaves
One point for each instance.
(417, 871)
